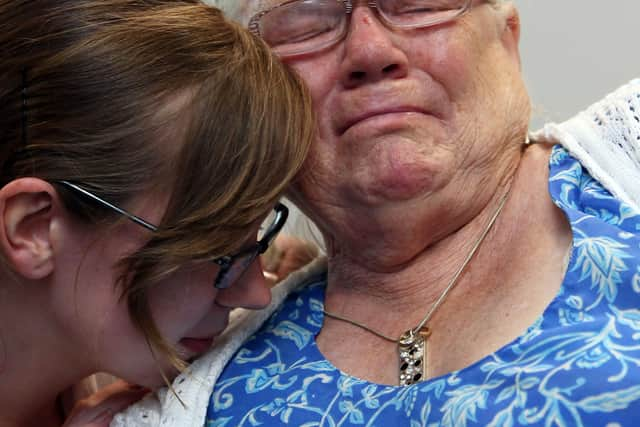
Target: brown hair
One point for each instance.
(124, 96)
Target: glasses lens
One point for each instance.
(420, 13)
(237, 268)
(303, 26)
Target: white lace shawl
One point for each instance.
(605, 138)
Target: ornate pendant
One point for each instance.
(412, 349)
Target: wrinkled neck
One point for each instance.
(369, 288)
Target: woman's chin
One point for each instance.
(399, 183)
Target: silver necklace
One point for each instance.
(412, 344)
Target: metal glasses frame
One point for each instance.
(223, 279)
(254, 22)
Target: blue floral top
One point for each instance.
(578, 365)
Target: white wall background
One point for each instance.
(576, 51)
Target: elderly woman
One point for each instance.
(473, 278)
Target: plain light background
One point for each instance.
(576, 51)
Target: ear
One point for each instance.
(511, 28)
(25, 226)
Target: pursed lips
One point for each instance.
(201, 342)
(362, 116)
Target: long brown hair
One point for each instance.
(124, 96)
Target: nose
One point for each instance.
(250, 291)
(370, 53)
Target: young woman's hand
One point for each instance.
(98, 409)
(285, 255)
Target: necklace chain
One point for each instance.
(420, 333)
(464, 264)
(360, 325)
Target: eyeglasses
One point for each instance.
(296, 27)
(232, 267)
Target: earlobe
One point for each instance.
(25, 220)
(513, 23)
(511, 29)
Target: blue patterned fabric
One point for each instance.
(577, 365)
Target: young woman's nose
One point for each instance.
(250, 291)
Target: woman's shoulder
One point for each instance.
(605, 138)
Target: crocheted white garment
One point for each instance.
(605, 138)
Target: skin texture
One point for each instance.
(426, 147)
(98, 409)
(164, 148)
(420, 134)
(66, 270)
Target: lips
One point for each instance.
(362, 116)
(197, 345)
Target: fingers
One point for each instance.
(271, 277)
(286, 255)
(101, 419)
(296, 253)
(98, 410)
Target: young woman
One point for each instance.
(144, 145)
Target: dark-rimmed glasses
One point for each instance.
(232, 267)
(296, 27)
